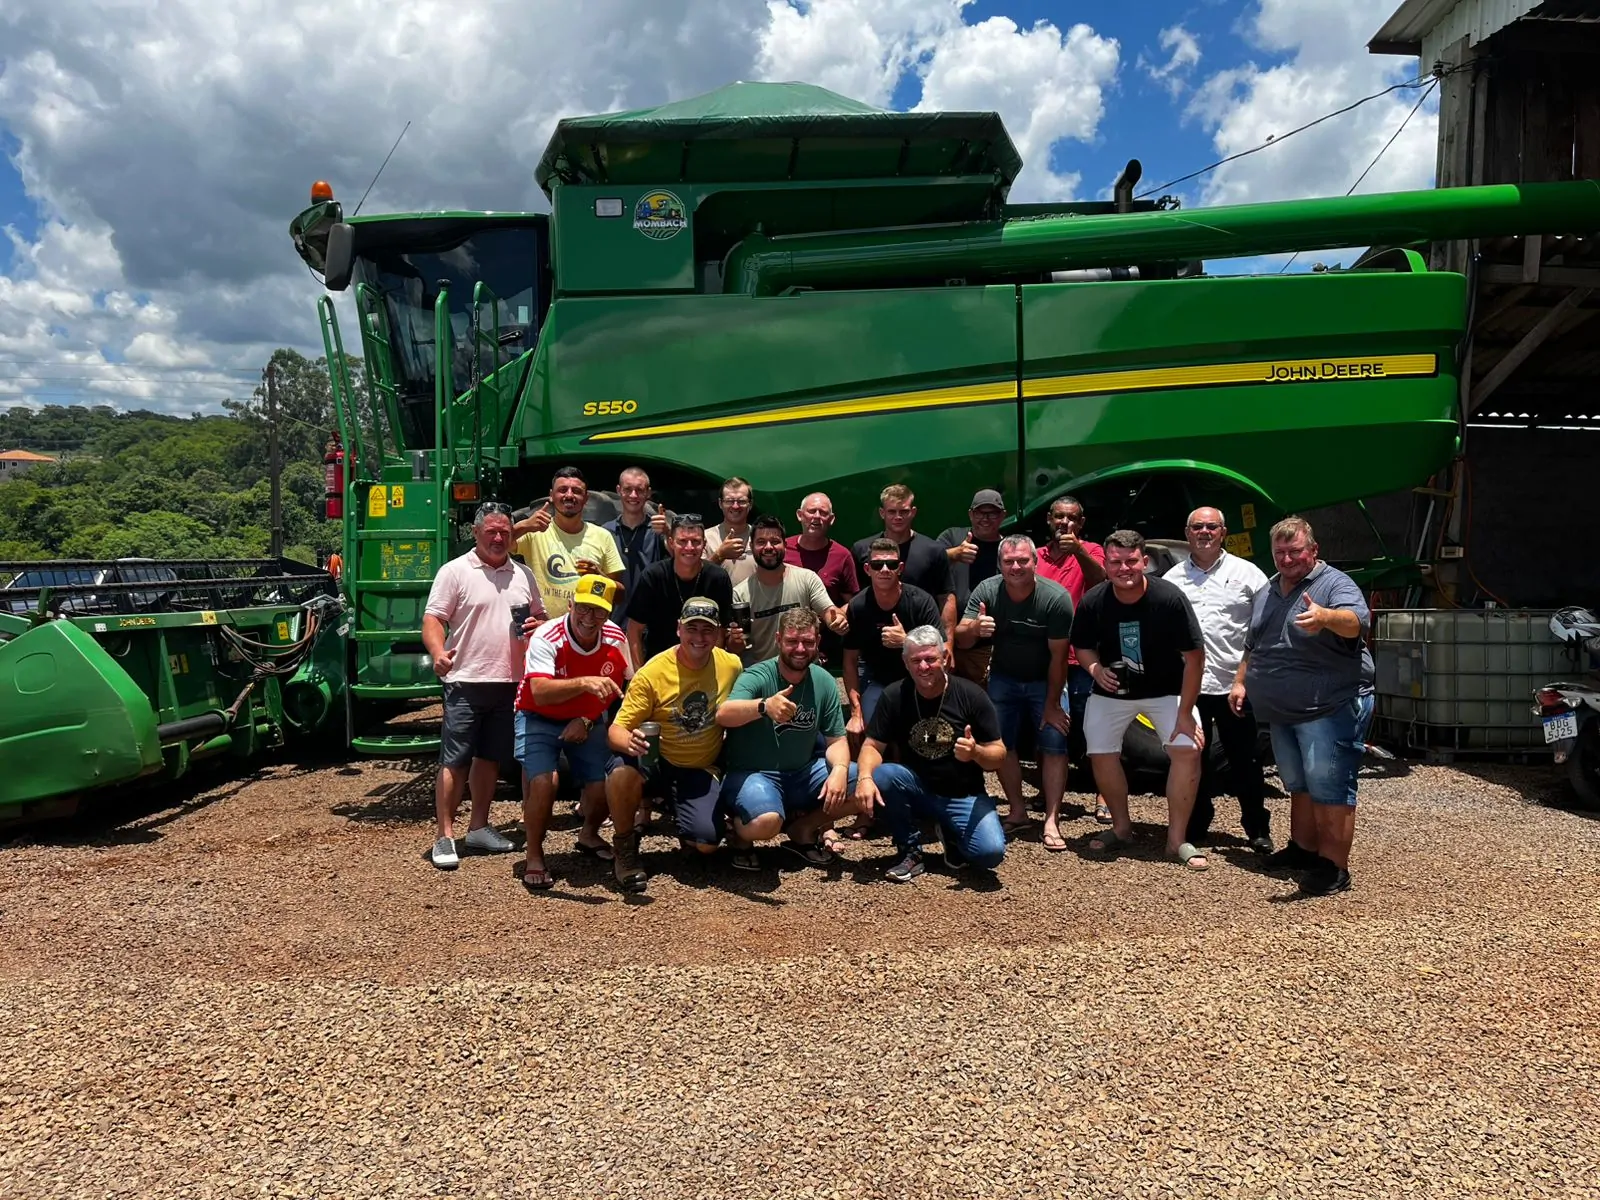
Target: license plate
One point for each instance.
(1560, 728)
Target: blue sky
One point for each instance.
(163, 163)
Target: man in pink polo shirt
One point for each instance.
(1076, 565)
(479, 612)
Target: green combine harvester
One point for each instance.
(776, 282)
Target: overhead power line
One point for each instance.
(1426, 80)
(1393, 137)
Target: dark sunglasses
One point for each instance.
(883, 565)
(679, 520)
(1199, 525)
(492, 508)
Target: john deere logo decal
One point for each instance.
(659, 216)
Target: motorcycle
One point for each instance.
(1570, 711)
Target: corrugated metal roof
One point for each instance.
(1426, 27)
(23, 456)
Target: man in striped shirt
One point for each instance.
(576, 668)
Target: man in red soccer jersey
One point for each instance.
(576, 668)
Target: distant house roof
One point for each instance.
(24, 456)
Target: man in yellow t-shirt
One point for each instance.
(561, 547)
(680, 690)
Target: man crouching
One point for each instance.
(780, 773)
(946, 734)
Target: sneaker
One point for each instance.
(489, 840)
(630, 874)
(953, 858)
(1261, 845)
(1325, 879)
(443, 855)
(907, 869)
(1293, 857)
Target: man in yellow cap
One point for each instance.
(576, 668)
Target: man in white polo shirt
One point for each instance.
(1222, 588)
(477, 648)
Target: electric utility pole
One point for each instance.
(274, 462)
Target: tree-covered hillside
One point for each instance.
(142, 484)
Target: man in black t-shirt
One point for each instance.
(658, 597)
(878, 617)
(974, 555)
(946, 735)
(925, 563)
(1141, 643)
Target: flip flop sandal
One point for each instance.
(813, 854)
(833, 843)
(1110, 842)
(1054, 843)
(745, 860)
(601, 852)
(538, 880)
(1188, 854)
(1102, 814)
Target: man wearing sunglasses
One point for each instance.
(1222, 590)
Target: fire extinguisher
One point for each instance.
(333, 479)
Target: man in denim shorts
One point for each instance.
(1308, 674)
(576, 667)
(1025, 621)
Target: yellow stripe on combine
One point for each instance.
(1298, 370)
(975, 393)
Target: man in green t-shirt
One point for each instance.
(776, 778)
(1028, 621)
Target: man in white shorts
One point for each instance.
(1140, 641)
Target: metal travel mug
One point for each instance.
(743, 619)
(1119, 669)
(651, 758)
(519, 615)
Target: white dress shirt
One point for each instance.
(1222, 598)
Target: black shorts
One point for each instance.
(693, 794)
(478, 723)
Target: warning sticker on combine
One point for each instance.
(377, 503)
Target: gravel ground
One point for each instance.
(263, 990)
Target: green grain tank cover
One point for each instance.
(761, 132)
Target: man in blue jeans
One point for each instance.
(1308, 674)
(946, 735)
(1027, 622)
(777, 778)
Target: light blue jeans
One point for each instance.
(1322, 757)
(970, 820)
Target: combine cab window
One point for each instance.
(509, 260)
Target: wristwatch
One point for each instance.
(588, 725)
(761, 708)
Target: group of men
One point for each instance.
(677, 665)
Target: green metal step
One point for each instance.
(417, 587)
(396, 743)
(396, 691)
(396, 535)
(387, 635)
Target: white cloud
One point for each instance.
(1329, 68)
(167, 146)
(858, 48)
(1048, 87)
(1183, 55)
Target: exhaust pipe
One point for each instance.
(1122, 189)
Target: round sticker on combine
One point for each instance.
(659, 216)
